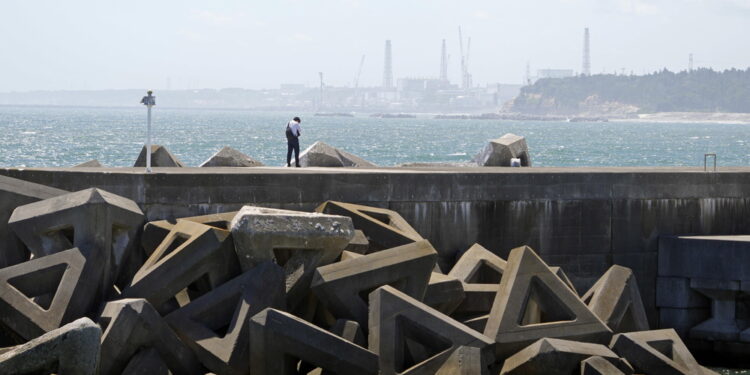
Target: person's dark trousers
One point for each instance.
(292, 145)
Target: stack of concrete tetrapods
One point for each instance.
(88, 286)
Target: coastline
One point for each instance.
(690, 117)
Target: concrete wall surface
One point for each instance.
(582, 219)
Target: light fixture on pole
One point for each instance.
(149, 101)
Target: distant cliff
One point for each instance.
(702, 90)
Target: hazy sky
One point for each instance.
(102, 44)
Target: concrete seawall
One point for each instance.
(583, 219)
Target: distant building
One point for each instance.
(292, 88)
(422, 84)
(554, 73)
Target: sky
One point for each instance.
(186, 44)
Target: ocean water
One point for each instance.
(52, 136)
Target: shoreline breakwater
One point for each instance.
(583, 220)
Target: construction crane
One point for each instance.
(359, 72)
(320, 102)
(463, 58)
(465, 76)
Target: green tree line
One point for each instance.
(700, 90)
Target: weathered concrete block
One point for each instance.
(478, 300)
(101, 224)
(348, 330)
(532, 303)
(14, 193)
(359, 243)
(44, 293)
(615, 299)
(722, 326)
(215, 325)
(93, 163)
(564, 277)
(229, 157)
(154, 232)
(298, 241)
(498, 152)
(339, 285)
(466, 360)
(193, 256)
(383, 228)
(656, 352)
(597, 365)
(407, 334)
(279, 340)
(146, 361)
(556, 357)
(481, 271)
(444, 293)
(320, 154)
(477, 323)
(675, 292)
(479, 266)
(131, 325)
(72, 349)
(160, 157)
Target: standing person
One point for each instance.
(293, 131)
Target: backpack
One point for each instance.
(289, 134)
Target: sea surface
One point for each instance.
(55, 136)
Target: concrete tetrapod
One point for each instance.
(279, 340)
(657, 352)
(160, 157)
(411, 337)
(130, 325)
(599, 366)
(298, 241)
(193, 256)
(532, 303)
(44, 293)
(558, 357)
(215, 325)
(615, 299)
(498, 152)
(229, 157)
(480, 270)
(443, 292)
(320, 154)
(466, 360)
(14, 193)
(154, 232)
(101, 224)
(384, 228)
(348, 330)
(343, 286)
(93, 163)
(72, 349)
(359, 243)
(564, 277)
(146, 361)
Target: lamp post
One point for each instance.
(149, 101)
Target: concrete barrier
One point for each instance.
(582, 219)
